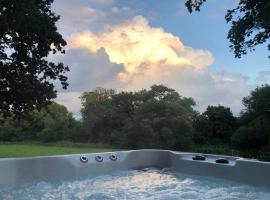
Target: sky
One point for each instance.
(133, 44)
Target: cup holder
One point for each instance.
(198, 157)
(222, 161)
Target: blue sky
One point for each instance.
(131, 44)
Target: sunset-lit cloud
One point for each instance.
(140, 47)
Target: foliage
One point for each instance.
(258, 102)
(8, 129)
(96, 112)
(155, 118)
(159, 124)
(246, 138)
(53, 123)
(28, 35)
(253, 131)
(227, 150)
(250, 23)
(214, 126)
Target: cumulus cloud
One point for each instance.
(138, 46)
(89, 70)
(133, 55)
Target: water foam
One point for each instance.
(146, 184)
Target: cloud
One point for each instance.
(103, 2)
(133, 55)
(263, 77)
(71, 100)
(138, 46)
(89, 70)
(223, 76)
(77, 15)
(205, 87)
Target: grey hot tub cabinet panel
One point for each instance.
(16, 170)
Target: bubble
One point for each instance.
(146, 184)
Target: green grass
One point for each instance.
(60, 148)
(26, 150)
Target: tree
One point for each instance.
(159, 124)
(58, 124)
(250, 23)
(248, 137)
(163, 120)
(9, 131)
(155, 118)
(256, 105)
(96, 113)
(161, 92)
(258, 102)
(28, 35)
(49, 124)
(215, 125)
(253, 120)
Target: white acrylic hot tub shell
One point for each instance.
(16, 170)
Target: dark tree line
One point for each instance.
(154, 118)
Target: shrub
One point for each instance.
(246, 138)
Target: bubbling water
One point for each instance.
(144, 184)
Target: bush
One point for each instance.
(246, 138)
(50, 124)
(46, 135)
(214, 126)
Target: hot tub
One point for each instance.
(139, 174)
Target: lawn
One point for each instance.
(25, 150)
